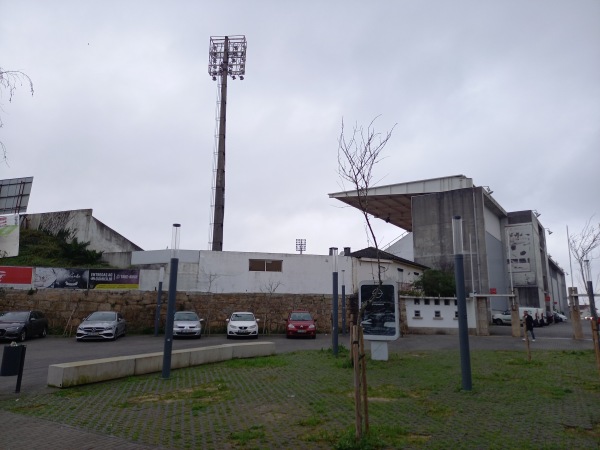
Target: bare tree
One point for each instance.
(358, 153)
(9, 81)
(583, 246)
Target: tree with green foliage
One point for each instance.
(437, 283)
(43, 248)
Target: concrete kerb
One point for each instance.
(95, 370)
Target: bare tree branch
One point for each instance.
(358, 153)
(583, 245)
(9, 81)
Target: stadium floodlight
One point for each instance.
(226, 57)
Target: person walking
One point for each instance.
(528, 325)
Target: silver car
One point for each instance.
(187, 324)
(102, 325)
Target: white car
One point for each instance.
(242, 324)
(503, 318)
(187, 324)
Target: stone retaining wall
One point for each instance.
(66, 308)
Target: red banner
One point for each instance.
(16, 275)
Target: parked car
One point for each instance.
(558, 317)
(503, 318)
(102, 325)
(21, 325)
(242, 324)
(187, 324)
(300, 324)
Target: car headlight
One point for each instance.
(311, 327)
(252, 327)
(233, 327)
(13, 328)
(291, 326)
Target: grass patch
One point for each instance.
(306, 399)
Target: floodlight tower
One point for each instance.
(227, 57)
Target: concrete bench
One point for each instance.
(95, 370)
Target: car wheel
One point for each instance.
(44, 332)
(22, 335)
(228, 337)
(498, 321)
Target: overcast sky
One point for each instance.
(123, 116)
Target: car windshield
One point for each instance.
(20, 315)
(186, 316)
(104, 316)
(300, 316)
(242, 317)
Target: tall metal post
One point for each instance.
(166, 367)
(334, 303)
(161, 276)
(343, 303)
(463, 326)
(227, 57)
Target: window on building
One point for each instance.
(417, 301)
(447, 302)
(436, 302)
(456, 314)
(265, 265)
(438, 314)
(417, 313)
(455, 302)
(427, 301)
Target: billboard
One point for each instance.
(9, 235)
(52, 277)
(521, 257)
(380, 319)
(114, 279)
(16, 275)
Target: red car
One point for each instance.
(300, 323)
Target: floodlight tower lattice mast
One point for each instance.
(227, 57)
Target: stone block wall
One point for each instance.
(66, 308)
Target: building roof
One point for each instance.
(371, 253)
(393, 203)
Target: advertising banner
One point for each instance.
(9, 235)
(16, 275)
(380, 320)
(521, 255)
(52, 277)
(114, 279)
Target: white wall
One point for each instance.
(228, 272)
(427, 317)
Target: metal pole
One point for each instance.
(161, 275)
(334, 314)
(463, 326)
(166, 367)
(343, 304)
(219, 212)
(334, 301)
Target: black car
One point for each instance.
(20, 325)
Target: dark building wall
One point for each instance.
(433, 234)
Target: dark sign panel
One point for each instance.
(114, 279)
(16, 275)
(380, 319)
(52, 277)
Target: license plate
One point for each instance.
(301, 331)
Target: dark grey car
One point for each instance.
(20, 325)
(102, 325)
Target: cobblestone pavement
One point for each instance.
(19, 432)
